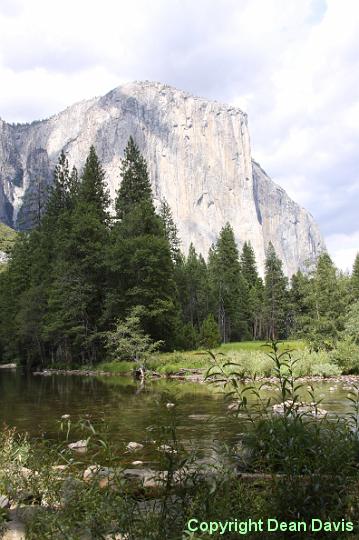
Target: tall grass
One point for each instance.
(251, 358)
(260, 346)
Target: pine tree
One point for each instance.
(209, 335)
(63, 191)
(228, 288)
(92, 192)
(38, 201)
(254, 286)
(171, 230)
(355, 279)
(58, 192)
(141, 268)
(275, 296)
(32, 302)
(79, 277)
(35, 200)
(248, 265)
(194, 290)
(328, 298)
(257, 309)
(300, 307)
(14, 282)
(135, 185)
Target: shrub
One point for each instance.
(209, 334)
(128, 341)
(351, 324)
(306, 363)
(187, 337)
(311, 363)
(325, 370)
(346, 355)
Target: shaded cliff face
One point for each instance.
(199, 159)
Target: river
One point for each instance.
(35, 404)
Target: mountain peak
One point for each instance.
(199, 158)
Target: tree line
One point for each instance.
(80, 271)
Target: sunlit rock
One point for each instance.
(199, 159)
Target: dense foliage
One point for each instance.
(7, 238)
(80, 272)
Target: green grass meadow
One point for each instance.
(251, 356)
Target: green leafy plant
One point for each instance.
(129, 342)
(311, 459)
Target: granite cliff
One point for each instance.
(199, 158)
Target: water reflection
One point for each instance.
(35, 404)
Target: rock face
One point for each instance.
(199, 159)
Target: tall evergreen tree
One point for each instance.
(194, 293)
(255, 290)
(41, 250)
(171, 230)
(355, 279)
(275, 296)
(300, 306)
(257, 310)
(63, 191)
(328, 298)
(77, 292)
(93, 195)
(248, 265)
(229, 291)
(14, 282)
(141, 268)
(135, 185)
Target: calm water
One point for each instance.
(35, 404)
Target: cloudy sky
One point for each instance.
(292, 65)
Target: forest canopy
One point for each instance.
(80, 271)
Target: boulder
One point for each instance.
(167, 449)
(15, 530)
(299, 407)
(134, 446)
(70, 489)
(103, 475)
(4, 502)
(79, 446)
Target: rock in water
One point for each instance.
(4, 502)
(79, 446)
(134, 446)
(199, 158)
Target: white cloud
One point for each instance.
(344, 248)
(293, 66)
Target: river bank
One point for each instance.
(197, 376)
(248, 359)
